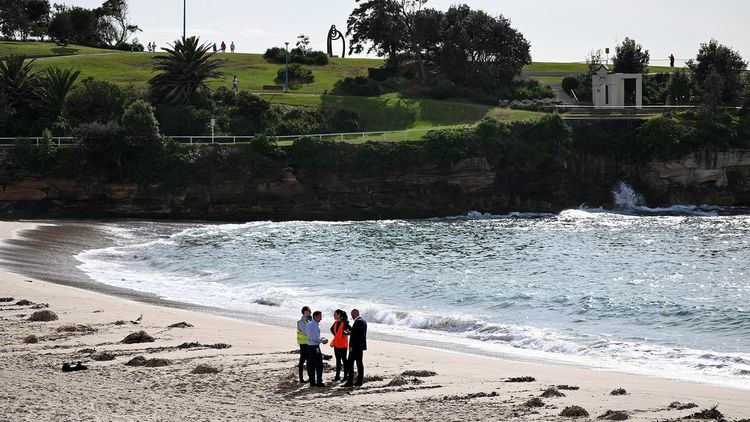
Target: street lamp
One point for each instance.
(184, 18)
(286, 69)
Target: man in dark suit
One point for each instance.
(357, 346)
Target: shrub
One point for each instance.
(275, 55)
(394, 84)
(317, 58)
(664, 137)
(547, 104)
(531, 90)
(103, 144)
(95, 101)
(359, 86)
(139, 122)
(298, 74)
(183, 120)
(446, 146)
(570, 84)
(340, 120)
(442, 90)
(296, 55)
(292, 120)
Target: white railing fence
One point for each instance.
(382, 136)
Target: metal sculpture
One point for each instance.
(335, 35)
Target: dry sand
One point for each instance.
(257, 378)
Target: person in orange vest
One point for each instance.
(340, 330)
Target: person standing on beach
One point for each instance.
(340, 343)
(357, 346)
(315, 359)
(302, 341)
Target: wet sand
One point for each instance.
(257, 374)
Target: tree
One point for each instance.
(711, 95)
(61, 29)
(115, 26)
(18, 81)
(630, 58)
(714, 57)
(303, 43)
(38, 14)
(184, 70)
(680, 87)
(593, 61)
(22, 18)
(383, 27)
(95, 101)
(141, 125)
(56, 86)
(481, 51)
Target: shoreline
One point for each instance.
(458, 374)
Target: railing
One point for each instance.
(353, 137)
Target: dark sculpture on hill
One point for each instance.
(335, 35)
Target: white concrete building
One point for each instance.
(609, 90)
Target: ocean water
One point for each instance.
(664, 291)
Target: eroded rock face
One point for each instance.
(429, 190)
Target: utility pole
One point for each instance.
(184, 18)
(286, 71)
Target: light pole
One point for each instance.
(184, 18)
(286, 69)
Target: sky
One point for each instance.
(559, 31)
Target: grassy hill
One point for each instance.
(387, 112)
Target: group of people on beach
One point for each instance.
(349, 343)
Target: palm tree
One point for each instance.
(184, 70)
(17, 80)
(57, 86)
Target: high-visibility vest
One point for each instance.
(340, 341)
(302, 337)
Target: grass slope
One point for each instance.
(387, 112)
(45, 49)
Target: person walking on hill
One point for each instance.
(231, 46)
(315, 362)
(671, 60)
(302, 341)
(357, 346)
(215, 48)
(235, 85)
(340, 343)
(223, 47)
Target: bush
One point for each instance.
(394, 84)
(103, 145)
(291, 120)
(183, 120)
(531, 90)
(442, 90)
(359, 86)
(446, 146)
(317, 58)
(139, 122)
(95, 101)
(298, 74)
(547, 104)
(340, 120)
(570, 84)
(296, 55)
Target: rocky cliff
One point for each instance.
(719, 178)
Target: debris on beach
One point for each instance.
(103, 356)
(267, 302)
(521, 379)
(139, 337)
(535, 402)
(6, 299)
(568, 387)
(552, 392)
(682, 406)
(157, 363)
(40, 306)
(182, 324)
(399, 381)
(374, 378)
(24, 302)
(418, 373)
(204, 370)
(189, 345)
(711, 414)
(32, 339)
(618, 392)
(615, 415)
(87, 351)
(75, 329)
(470, 396)
(195, 345)
(136, 361)
(78, 366)
(574, 412)
(43, 316)
(120, 322)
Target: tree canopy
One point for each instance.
(631, 58)
(726, 62)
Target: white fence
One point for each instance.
(355, 137)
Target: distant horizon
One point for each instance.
(575, 26)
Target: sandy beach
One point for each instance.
(256, 378)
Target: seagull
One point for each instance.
(138, 321)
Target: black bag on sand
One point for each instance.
(73, 368)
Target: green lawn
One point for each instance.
(45, 49)
(543, 67)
